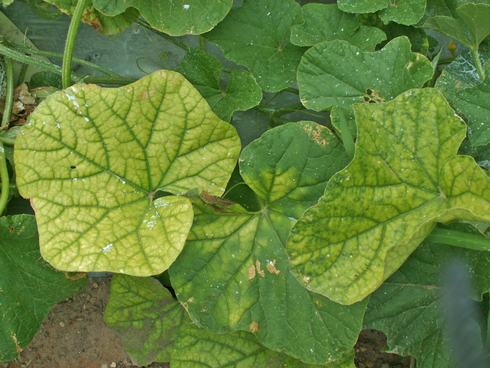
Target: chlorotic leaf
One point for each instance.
(91, 16)
(28, 286)
(326, 80)
(407, 12)
(324, 22)
(240, 92)
(93, 161)
(405, 176)
(468, 24)
(234, 272)
(469, 96)
(408, 306)
(257, 35)
(154, 327)
(176, 18)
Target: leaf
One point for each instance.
(468, 24)
(91, 16)
(408, 306)
(326, 80)
(405, 177)
(469, 96)
(240, 92)
(154, 327)
(93, 161)
(176, 18)
(324, 22)
(256, 35)
(362, 6)
(28, 287)
(234, 272)
(407, 12)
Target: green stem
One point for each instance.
(107, 80)
(476, 59)
(7, 141)
(459, 239)
(9, 97)
(76, 60)
(70, 43)
(347, 139)
(29, 60)
(4, 177)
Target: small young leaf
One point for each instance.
(241, 92)
(324, 22)
(407, 307)
(405, 176)
(234, 272)
(257, 35)
(154, 327)
(176, 18)
(469, 96)
(407, 12)
(93, 160)
(28, 286)
(326, 80)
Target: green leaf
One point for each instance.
(234, 272)
(176, 18)
(154, 327)
(362, 6)
(91, 16)
(6, 3)
(408, 309)
(93, 161)
(405, 176)
(240, 92)
(324, 22)
(469, 96)
(28, 286)
(469, 24)
(257, 35)
(407, 12)
(326, 80)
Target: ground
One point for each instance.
(74, 336)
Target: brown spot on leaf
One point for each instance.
(271, 267)
(372, 96)
(260, 271)
(316, 134)
(251, 272)
(254, 327)
(18, 348)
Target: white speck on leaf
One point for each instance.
(186, 6)
(107, 248)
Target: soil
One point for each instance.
(74, 336)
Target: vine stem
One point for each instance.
(459, 239)
(70, 43)
(9, 97)
(347, 139)
(4, 177)
(476, 59)
(76, 60)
